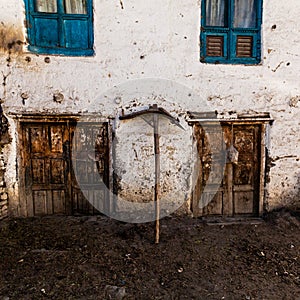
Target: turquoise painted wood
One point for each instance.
(46, 32)
(60, 33)
(231, 35)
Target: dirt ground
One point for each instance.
(99, 258)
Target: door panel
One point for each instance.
(244, 202)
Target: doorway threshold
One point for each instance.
(223, 221)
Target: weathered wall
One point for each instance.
(136, 163)
(4, 148)
(3, 191)
(139, 40)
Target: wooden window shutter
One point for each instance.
(63, 27)
(214, 45)
(244, 45)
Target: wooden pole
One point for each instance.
(157, 176)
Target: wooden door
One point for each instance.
(90, 161)
(246, 173)
(209, 195)
(46, 168)
(238, 192)
(48, 182)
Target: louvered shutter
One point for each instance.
(244, 45)
(214, 45)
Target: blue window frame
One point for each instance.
(231, 31)
(63, 27)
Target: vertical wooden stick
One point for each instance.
(157, 176)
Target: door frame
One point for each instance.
(63, 118)
(263, 123)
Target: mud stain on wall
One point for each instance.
(11, 38)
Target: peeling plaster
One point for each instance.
(293, 102)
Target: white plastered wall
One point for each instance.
(160, 39)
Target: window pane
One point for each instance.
(46, 34)
(244, 13)
(75, 6)
(47, 6)
(215, 12)
(76, 34)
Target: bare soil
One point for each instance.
(63, 257)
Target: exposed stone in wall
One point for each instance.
(3, 192)
(293, 102)
(4, 139)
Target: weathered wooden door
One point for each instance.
(238, 192)
(48, 182)
(45, 168)
(246, 172)
(90, 168)
(209, 196)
